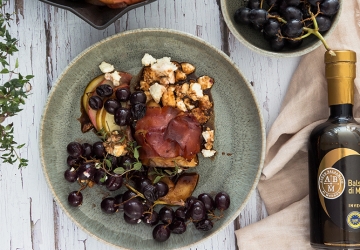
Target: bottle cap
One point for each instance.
(340, 73)
(340, 56)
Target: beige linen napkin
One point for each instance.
(284, 182)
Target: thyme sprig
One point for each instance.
(13, 91)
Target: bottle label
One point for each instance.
(339, 187)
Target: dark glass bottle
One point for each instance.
(334, 162)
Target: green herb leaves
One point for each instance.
(13, 92)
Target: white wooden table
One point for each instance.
(49, 38)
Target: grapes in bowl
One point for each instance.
(282, 28)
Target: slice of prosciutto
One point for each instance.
(168, 137)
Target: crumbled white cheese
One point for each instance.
(181, 105)
(195, 92)
(164, 66)
(208, 153)
(114, 77)
(156, 91)
(106, 67)
(208, 135)
(148, 60)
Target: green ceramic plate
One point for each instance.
(254, 39)
(239, 129)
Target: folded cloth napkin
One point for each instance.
(284, 182)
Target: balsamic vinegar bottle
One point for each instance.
(334, 162)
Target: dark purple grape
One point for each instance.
(111, 105)
(108, 205)
(142, 182)
(128, 195)
(86, 171)
(104, 90)
(150, 193)
(292, 2)
(137, 97)
(126, 162)
(74, 161)
(70, 175)
(291, 13)
(258, 16)
(134, 208)
(99, 149)
(119, 202)
(190, 201)
(197, 211)
(99, 176)
(254, 4)
(177, 227)
(95, 102)
(222, 201)
(324, 23)
(292, 28)
(204, 225)
(277, 43)
(130, 220)
(162, 188)
(180, 214)
(138, 110)
(166, 214)
(114, 182)
(329, 7)
(122, 116)
(122, 94)
(208, 201)
(315, 2)
(87, 150)
(161, 233)
(293, 44)
(75, 149)
(151, 218)
(272, 27)
(242, 15)
(75, 198)
(113, 160)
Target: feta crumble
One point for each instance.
(208, 153)
(106, 67)
(195, 92)
(148, 60)
(114, 77)
(164, 66)
(156, 91)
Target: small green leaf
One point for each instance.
(157, 179)
(119, 170)
(108, 163)
(136, 153)
(16, 63)
(103, 179)
(137, 165)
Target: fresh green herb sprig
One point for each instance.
(160, 173)
(13, 91)
(137, 165)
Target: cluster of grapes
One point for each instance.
(285, 23)
(89, 165)
(123, 115)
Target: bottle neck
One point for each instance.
(341, 112)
